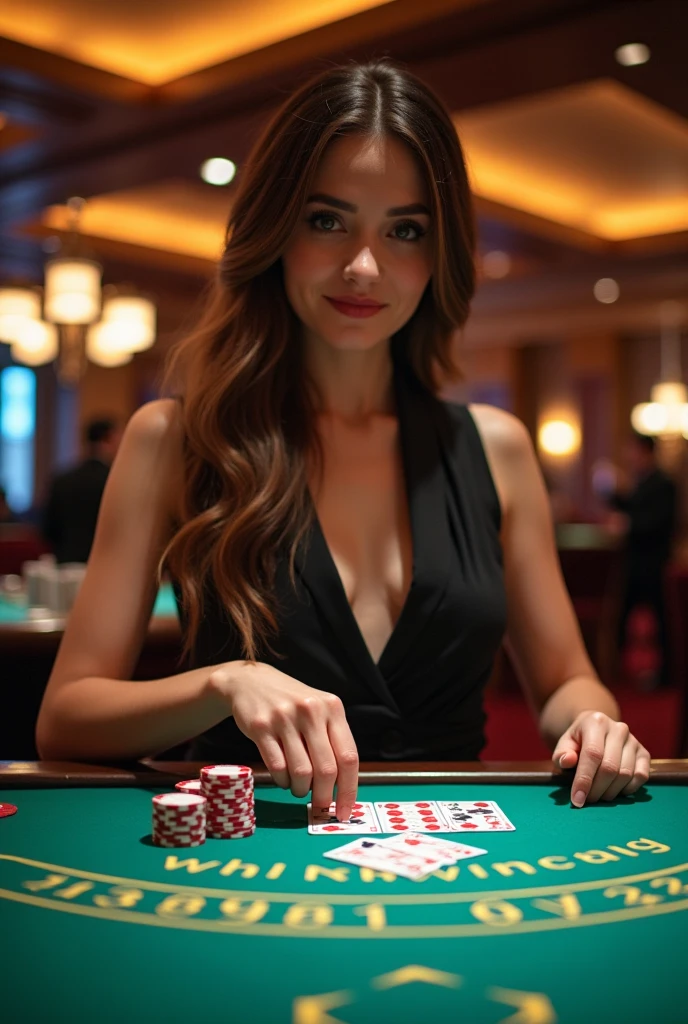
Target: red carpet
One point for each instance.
(512, 733)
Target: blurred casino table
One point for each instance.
(27, 651)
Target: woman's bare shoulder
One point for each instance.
(506, 442)
(157, 422)
(154, 436)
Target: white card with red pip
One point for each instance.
(410, 816)
(380, 856)
(475, 816)
(416, 842)
(363, 821)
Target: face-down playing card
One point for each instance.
(475, 816)
(363, 821)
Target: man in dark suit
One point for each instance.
(646, 513)
(71, 512)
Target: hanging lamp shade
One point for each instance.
(37, 343)
(132, 318)
(72, 291)
(17, 305)
(104, 347)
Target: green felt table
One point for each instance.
(13, 612)
(578, 915)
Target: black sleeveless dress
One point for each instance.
(423, 699)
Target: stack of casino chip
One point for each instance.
(179, 819)
(228, 789)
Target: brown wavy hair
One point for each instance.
(247, 407)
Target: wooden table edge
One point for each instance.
(148, 772)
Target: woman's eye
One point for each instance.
(317, 220)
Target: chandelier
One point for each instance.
(666, 414)
(80, 321)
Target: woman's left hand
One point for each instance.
(610, 761)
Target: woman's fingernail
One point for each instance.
(579, 798)
(561, 760)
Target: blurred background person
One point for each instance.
(71, 511)
(643, 504)
(6, 513)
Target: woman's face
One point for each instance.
(352, 242)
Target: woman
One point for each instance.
(344, 544)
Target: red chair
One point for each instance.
(19, 543)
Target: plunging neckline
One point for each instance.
(425, 490)
(333, 571)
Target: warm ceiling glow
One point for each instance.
(597, 157)
(175, 216)
(160, 40)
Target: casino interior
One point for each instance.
(122, 128)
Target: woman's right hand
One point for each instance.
(302, 734)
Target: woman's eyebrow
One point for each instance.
(396, 211)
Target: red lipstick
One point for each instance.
(351, 306)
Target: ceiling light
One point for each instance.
(606, 290)
(218, 171)
(16, 306)
(496, 263)
(632, 54)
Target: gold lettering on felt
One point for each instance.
(375, 916)
(549, 865)
(368, 875)
(648, 845)
(120, 897)
(236, 911)
(566, 906)
(74, 890)
(245, 870)
(550, 862)
(508, 867)
(309, 916)
(315, 871)
(499, 913)
(49, 882)
(192, 864)
(449, 874)
(477, 870)
(180, 905)
(596, 856)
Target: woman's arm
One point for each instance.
(91, 708)
(576, 713)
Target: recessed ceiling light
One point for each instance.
(218, 171)
(496, 263)
(606, 290)
(632, 54)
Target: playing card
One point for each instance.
(416, 842)
(411, 816)
(371, 854)
(475, 816)
(363, 820)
